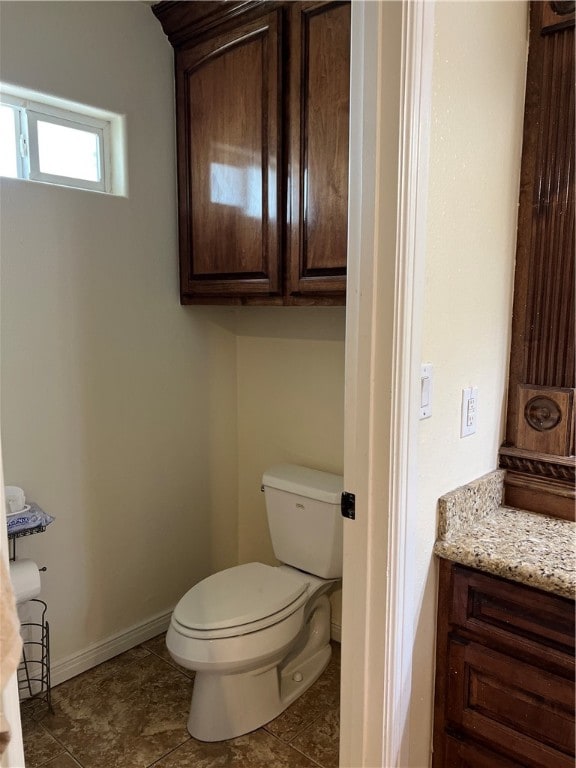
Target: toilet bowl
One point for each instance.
(249, 669)
(257, 635)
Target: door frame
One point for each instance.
(391, 66)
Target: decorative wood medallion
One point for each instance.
(546, 420)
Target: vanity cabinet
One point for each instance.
(504, 674)
(262, 104)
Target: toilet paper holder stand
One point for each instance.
(34, 669)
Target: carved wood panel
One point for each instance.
(543, 324)
(550, 322)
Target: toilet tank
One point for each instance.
(303, 507)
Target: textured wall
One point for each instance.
(477, 111)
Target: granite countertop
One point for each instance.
(476, 530)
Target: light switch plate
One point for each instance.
(426, 389)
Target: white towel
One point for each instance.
(10, 642)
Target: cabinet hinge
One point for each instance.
(348, 505)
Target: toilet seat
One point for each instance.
(240, 600)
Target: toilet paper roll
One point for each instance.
(25, 578)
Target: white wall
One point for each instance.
(116, 401)
(477, 112)
(290, 409)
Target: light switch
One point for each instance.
(426, 381)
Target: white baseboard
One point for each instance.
(106, 649)
(336, 632)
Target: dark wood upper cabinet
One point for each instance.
(227, 95)
(539, 450)
(318, 157)
(262, 104)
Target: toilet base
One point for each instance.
(231, 705)
(225, 706)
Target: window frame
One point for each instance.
(20, 130)
(29, 112)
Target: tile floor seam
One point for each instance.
(61, 754)
(60, 744)
(295, 735)
(163, 757)
(309, 724)
(172, 666)
(69, 754)
(307, 756)
(312, 760)
(169, 662)
(47, 762)
(158, 656)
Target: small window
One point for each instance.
(43, 142)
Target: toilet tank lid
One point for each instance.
(303, 481)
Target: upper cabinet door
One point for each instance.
(318, 156)
(228, 122)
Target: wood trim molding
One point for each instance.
(186, 22)
(544, 497)
(392, 47)
(557, 15)
(561, 468)
(416, 111)
(539, 482)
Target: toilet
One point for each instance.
(258, 635)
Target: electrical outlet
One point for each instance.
(469, 411)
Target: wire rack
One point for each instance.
(34, 669)
(18, 534)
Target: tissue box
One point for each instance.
(25, 519)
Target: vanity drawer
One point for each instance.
(523, 618)
(523, 710)
(466, 754)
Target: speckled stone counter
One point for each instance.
(476, 530)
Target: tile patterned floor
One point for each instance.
(131, 712)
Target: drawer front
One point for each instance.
(497, 609)
(467, 754)
(524, 711)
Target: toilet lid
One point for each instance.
(238, 596)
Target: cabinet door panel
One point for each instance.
(525, 711)
(229, 151)
(319, 105)
(520, 617)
